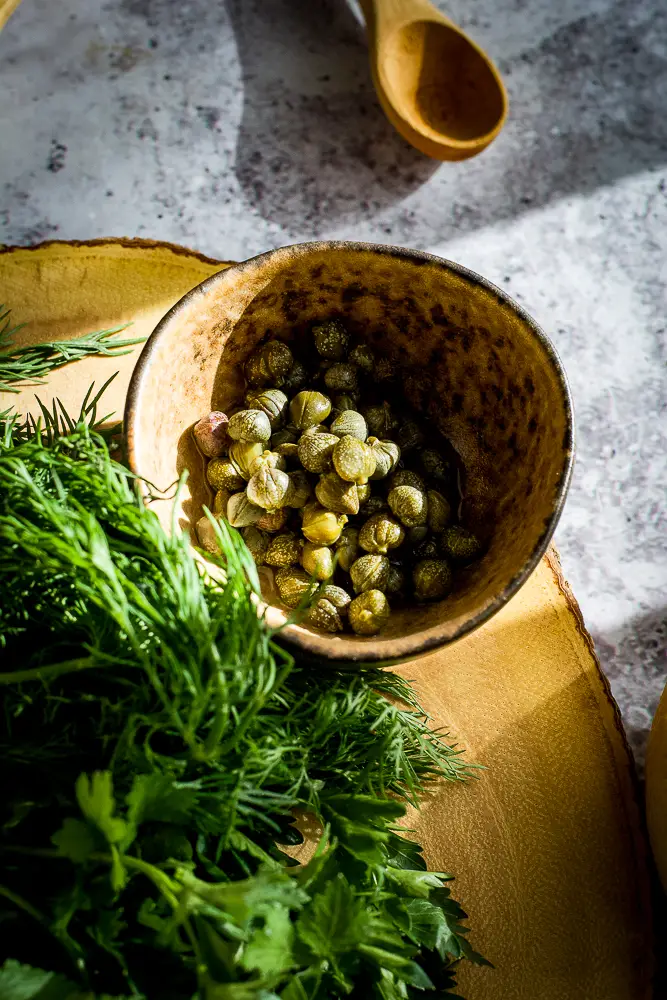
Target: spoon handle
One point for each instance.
(7, 8)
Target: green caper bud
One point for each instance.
(406, 477)
(387, 455)
(254, 371)
(380, 420)
(316, 451)
(341, 376)
(275, 361)
(460, 544)
(347, 548)
(289, 451)
(273, 520)
(385, 370)
(381, 533)
(268, 460)
(299, 491)
(257, 542)
(272, 402)
(369, 612)
(284, 550)
(370, 572)
(318, 560)
(242, 454)
(349, 422)
(294, 585)
(309, 408)
(336, 596)
(210, 434)
(353, 460)
(322, 526)
(344, 402)
(249, 425)
(410, 436)
(296, 378)
(433, 464)
(220, 501)
(322, 614)
(206, 536)
(432, 579)
(268, 488)
(241, 511)
(417, 535)
(374, 505)
(362, 356)
(286, 435)
(396, 581)
(409, 505)
(331, 339)
(336, 494)
(428, 549)
(363, 493)
(439, 511)
(222, 475)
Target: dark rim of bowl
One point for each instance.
(419, 644)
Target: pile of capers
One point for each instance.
(341, 494)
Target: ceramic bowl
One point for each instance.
(492, 385)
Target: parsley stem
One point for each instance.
(23, 904)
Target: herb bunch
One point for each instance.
(155, 743)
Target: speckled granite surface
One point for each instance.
(239, 125)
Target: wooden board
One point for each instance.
(547, 845)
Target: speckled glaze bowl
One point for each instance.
(493, 385)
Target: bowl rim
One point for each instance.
(377, 651)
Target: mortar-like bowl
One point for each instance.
(493, 386)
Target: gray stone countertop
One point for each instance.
(240, 125)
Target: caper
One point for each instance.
(342, 377)
(268, 460)
(242, 454)
(380, 420)
(223, 475)
(396, 581)
(347, 548)
(318, 560)
(380, 534)
(363, 357)
(369, 612)
(374, 505)
(249, 425)
(289, 451)
(350, 422)
(369, 572)
(322, 614)
(417, 535)
(296, 378)
(210, 434)
(432, 579)
(428, 549)
(387, 455)
(385, 370)
(273, 520)
(284, 550)
(323, 526)
(343, 402)
(268, 488)
(272, 402)
(353, 460)
(410, 436)
(220, 501)
(309, 408)
(331, 339)
(286, 435)
(363, 493)
(241, 511)
(299, 490)
(270, 364)
(336, 494)
(256, 541)
(336, 596)
(254, 371)
(316, 451)
(460, 544)
(434, 465)
(406, 477)
(409, 504)
(206, 536)
(439, 511)
(294, 585)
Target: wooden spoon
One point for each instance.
(7, 8)
(436, 86)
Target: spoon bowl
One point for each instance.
(437, 87)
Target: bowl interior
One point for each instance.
(491, 385)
